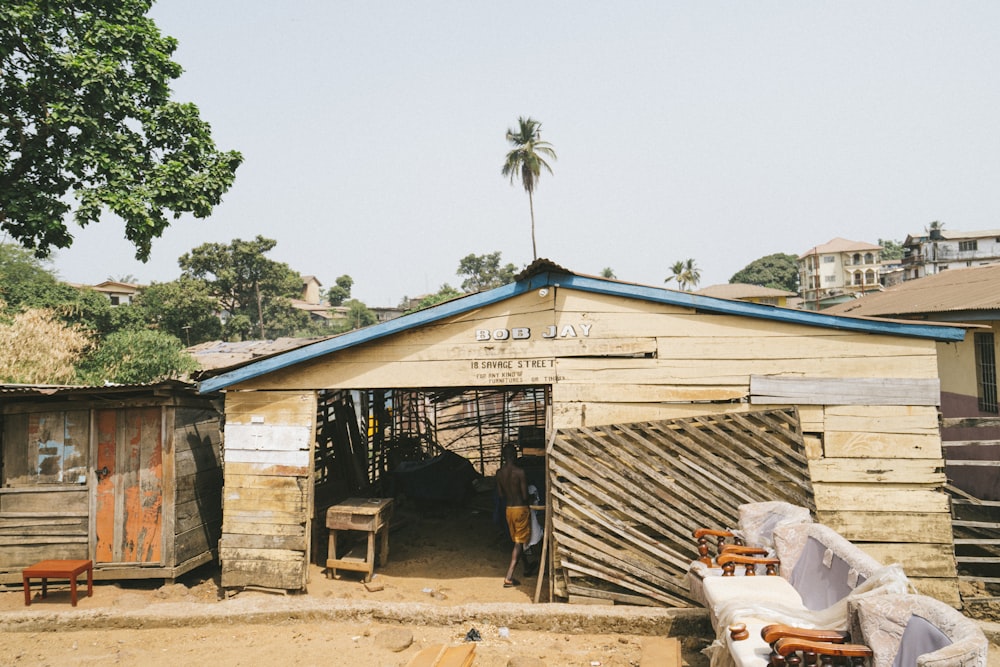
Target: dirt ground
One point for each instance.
(442, 580)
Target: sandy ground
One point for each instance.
(443, 579)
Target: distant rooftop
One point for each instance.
(839, 245)
(742, 291)
(951, 291)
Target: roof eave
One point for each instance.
(583, 283)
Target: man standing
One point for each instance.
(512, 486)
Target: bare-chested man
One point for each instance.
(513, 488)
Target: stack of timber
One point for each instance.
(267, 502)
(627, 497)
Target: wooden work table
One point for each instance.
(369, 515)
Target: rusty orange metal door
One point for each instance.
(129, 492)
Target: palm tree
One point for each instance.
(685, 273)
(526, 160)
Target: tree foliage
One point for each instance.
(38, 348)
(253, 291)
(87, 111)
(358, 316)
(891, 249)
(341, 290)
(483, 272)
(133, 357)
(777, 271)
(526, 160)
(686, 273)
(445, 293)
(183, 308)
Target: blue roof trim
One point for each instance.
(762, 311)
(584, 284)
(374, 332)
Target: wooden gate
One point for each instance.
(625, 498)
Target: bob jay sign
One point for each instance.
(526, 333)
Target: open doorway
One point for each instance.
(435, 451)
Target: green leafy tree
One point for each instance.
(341, 290)
(133, 357)
(27, 282)
(526, 160)
(608, 273)
(778, 271)
(86, 111)
(253, 292)
(358, 316)
(483, 272)
(686, 273)
(183, 308)
(891, 249)
(445, 293)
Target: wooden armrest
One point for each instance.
(774, 632)
(729, 560)
(790, 644)
(702, 532)
(743, 550)
(702, 535)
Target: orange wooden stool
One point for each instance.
(58, 569)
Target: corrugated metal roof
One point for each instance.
(30, 390)
(955, 290)
(548, 278)
(742, 291)
(224, 354)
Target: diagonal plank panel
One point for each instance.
(626, 497)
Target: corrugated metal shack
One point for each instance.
(658, 411)
(127, 476)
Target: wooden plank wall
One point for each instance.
(268, 489)
(198, 484)
(36, 522)
(626, 497)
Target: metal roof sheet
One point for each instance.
(955, 290)
(742, 291)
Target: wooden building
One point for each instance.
(970, 413)
(663, 411)
(127, 476)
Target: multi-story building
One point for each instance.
(836, 271)
(939, 249)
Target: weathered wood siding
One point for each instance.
(612, 359)
(40, 520)
(197, 513)
(267, 497)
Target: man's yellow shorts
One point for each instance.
(518, 524)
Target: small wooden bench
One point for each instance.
(58, 569)
(367, 515)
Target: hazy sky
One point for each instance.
(373, 132)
